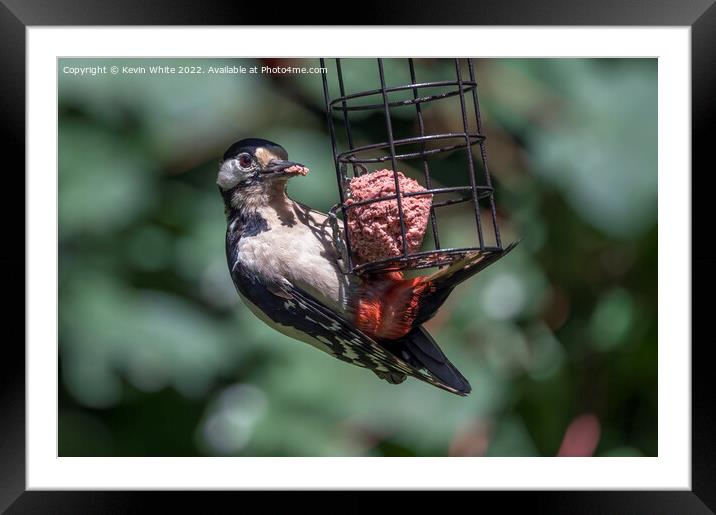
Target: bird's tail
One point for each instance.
(391, 307)
(444, 281)
(423, 352)
(418, 349)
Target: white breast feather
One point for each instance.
(300, 253)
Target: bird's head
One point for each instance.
(253, 171)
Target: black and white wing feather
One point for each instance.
(347, 343)
(291, 307)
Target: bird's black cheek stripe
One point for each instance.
(254, 224)
(244, 225)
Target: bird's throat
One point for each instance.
(249, 199)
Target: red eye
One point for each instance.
(244, 161)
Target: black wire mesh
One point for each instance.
(424, 147)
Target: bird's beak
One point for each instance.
(279, 167)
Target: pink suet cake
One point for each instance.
(374, 228)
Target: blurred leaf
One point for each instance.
(611, 320)
(603, 154)
(102, 186)
(510, 438)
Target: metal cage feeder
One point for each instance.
(423, 146)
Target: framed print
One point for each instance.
(481, 231)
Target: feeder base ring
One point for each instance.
(420, 260)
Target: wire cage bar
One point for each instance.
(423, 147)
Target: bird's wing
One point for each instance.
(306, 314)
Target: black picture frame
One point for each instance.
(16, 15)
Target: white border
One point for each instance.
(671, 469)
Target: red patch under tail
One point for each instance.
(387, 307)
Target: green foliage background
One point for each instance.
(158, 357)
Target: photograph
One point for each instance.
(357, 257)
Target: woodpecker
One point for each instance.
(284, 264)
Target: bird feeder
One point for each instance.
(355, 157)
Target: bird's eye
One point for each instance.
(245, 161)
